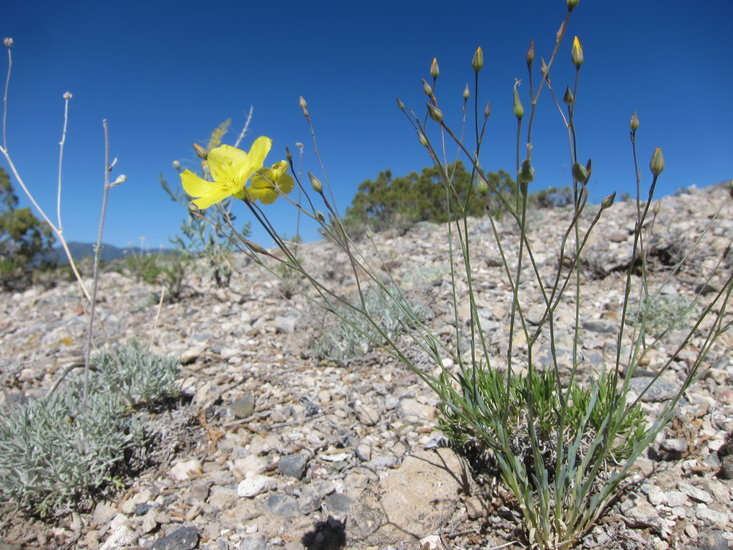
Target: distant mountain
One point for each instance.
(109, 252)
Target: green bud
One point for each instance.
(434, 69)
(581, 173)
(400, 104)
(544, 69)
(288, 154)
(200, 151)
(315, 183)
(608, 201)
(320, 217)
(176, 165)
(427, 88)
(572, 4)
(482, 185)
(530, 52)
(657, 163)
(466, 93)
(518, 107)
(478, 60)
(634, 123)
(487, 109)
(657, 208)
(423, 139)
(568, 98)
(526, 172)
(435, 113)
(577, 53)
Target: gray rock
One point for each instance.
(661, 390)
(712, 540)
(726, 468)
(293, 465)
(338, 504)
(243, 407)
(255, 542)
(185, 538)
(282, 505)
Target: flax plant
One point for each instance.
(562, 439)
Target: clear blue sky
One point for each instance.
(165, 73)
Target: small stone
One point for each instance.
(103, 513)
(338, 504)
(223, 497)
(122, 536)
(282, 505)
(726, 468)
(248, 466)
(185, 538)
(661, 390)
(599, 325)
(675, 446)
(363, 452)
(253, 486)
(695, 493)
(366, 415)
(142, 508)
(719, 519)
(285, 325)
(676, 498)
(409, 407)
(431, 542)
(183, 470)
(293, 465)
(254, 542)
(712, 540)
(243, 406)
(656, 496)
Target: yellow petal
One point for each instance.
(194, 185)
(213, 197)
(227, 164)
(259, 150)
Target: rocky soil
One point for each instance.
(274, 447)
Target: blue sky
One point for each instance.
(166, 73)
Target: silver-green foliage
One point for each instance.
(54, 456)
(353, 336)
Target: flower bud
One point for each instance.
(435, 113)
(581, 173)
(200, 151)
(544, 69)
(466, 92)
(530, 52)
(122, 178)
(288, 154)
(634, 123)
(320, 217)
(526, 172)
(657, 208)
(572, 4)
(487, 109)
(434, 69)
(608, 201)
(176, 165)
(478, 60)
(303, 105)
(657, 163)
(577, 53)
(518, 107)
(568, 98)
(482, 186)
(315, 183)
(400, 104)
(427, 88)
(423, 139)
(8, 42)
(67, 96)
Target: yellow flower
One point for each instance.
(230, 169)
(268, 183)
(577, 53)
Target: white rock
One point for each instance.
(254, 485)
(183, 470)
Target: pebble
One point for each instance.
(185, 538)
(293, 465)
(253, 486)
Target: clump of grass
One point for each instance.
(55, 457)
(352, 337)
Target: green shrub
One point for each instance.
(55, 456)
